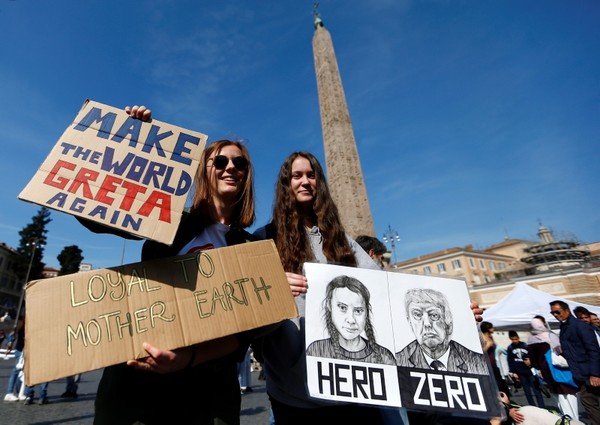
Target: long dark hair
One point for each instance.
(289, 225)
(357, 287)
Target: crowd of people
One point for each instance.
(306, 227)
(16, 389)
(566, 364)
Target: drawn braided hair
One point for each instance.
(359, 288)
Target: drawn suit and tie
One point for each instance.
(430, 318)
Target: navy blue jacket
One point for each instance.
(580, 348)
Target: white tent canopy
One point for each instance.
(516, 309)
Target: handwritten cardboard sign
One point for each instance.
(119, 171)
(394, 339)
(88, 320)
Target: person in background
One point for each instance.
(582, 314)
(502, 362)
(533, 415)
(585, 316)
(580, 347)
(374, 247)
(30, 393)
(595, 320)
(244, 373)
(196, 384)
(14, 382)
(540, 341)
(489, 347)
(519, 367)
(10, 342)
(71, 388)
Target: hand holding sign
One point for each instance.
(139, 112)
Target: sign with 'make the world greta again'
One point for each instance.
(119, 171)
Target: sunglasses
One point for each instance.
(555, 312)
(220, 162)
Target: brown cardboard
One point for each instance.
(72, 321)
(119, 171)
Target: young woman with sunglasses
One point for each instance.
(197, 384)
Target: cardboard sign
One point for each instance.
(88, 320)
(393, 339)
(119, 171)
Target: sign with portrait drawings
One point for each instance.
(394, 339)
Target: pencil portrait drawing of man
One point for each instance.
(430, 318)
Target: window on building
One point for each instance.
(472, 263)
(502, 266)
(441, 268)
(427, 270)
(456, 264)
(493, 265)
(482, 264)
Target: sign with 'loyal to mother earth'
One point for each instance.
(87, 320)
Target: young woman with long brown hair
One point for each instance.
(305, 227)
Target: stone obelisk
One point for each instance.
(344, 173)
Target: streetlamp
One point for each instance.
(392, 237)
(34, 245)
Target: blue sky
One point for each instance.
(473, 119)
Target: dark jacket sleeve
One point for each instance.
(236, 236)
(580, 347)
(96, 227)
(191, 224)
(510, 356)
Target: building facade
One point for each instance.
(10, 287)
(473, 266)
(566, 269)
(50, 272)
(581, 285)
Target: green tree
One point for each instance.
(33, 240)
(69, 258)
